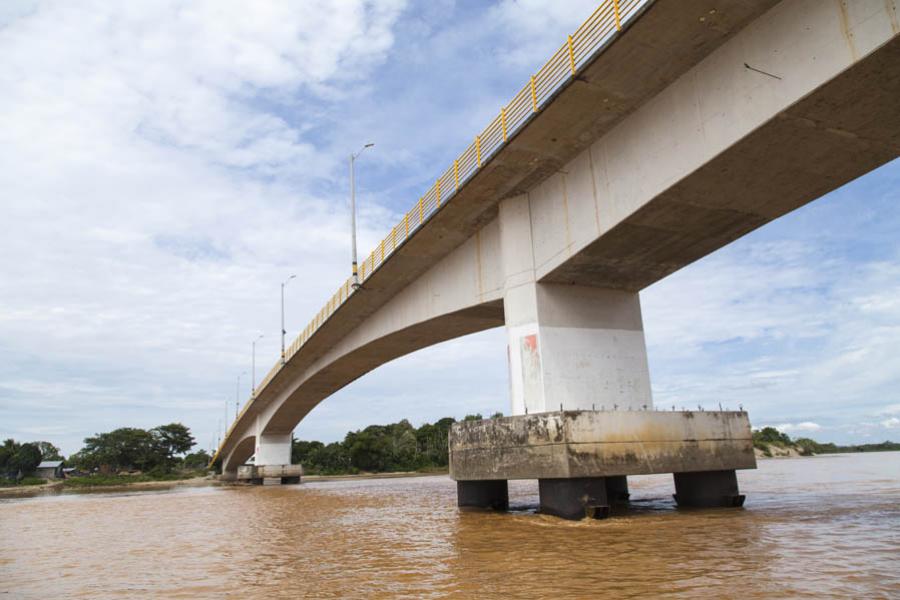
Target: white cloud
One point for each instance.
(805, 426)
(891, 423)
(535, 24)
(159, 179)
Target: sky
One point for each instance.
(164, 166)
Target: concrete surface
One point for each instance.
(707, 490)
(574, 498)
(493, 495)
(575, 444)
(269, 474)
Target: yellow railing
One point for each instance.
(597, 31)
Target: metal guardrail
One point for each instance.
(591, 37)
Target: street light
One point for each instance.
(253, 368)
(353, 158)
(283, 283)
(237, 394)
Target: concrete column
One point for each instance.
(493, 494)
(708, 489)
(574, 498)
(617, 489)
(273, 449)
(573, 346)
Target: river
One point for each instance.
(817, 527)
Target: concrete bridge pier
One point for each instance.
(706, 489)
(581, 459)
(272, 463)
(583, 417)
(575, 497)
(617, 489)
(273, 460)
(571, 347)
(490, 494)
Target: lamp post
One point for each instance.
(237, 394)
(253, 367)
(353, 158)
(283, 331)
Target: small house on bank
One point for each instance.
(50, 469)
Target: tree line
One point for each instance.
(19, 460)
(160, 450)
(769, 436)
(380, 448)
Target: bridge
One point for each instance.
(659, 132)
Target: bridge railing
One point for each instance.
(579, 48)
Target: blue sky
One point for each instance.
(163, 166)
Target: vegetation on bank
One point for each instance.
(130, 455)
(19, 461)
(398, 447)
(769, 441)
(99, 479)
(122, 456)
(25, 481)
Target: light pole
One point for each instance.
(353, 158)
(283, 331)
(237, 394)
(253, 368)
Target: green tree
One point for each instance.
(197, 460)
(123, 448)
(7, 450)
(49, 451)
(770, 435)
(333, 458)
(302, 452)
(25, 459)
(369, 449)
(171, 440)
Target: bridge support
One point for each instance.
(273, 460)
(571, 347)
(581, 459)
(708, 489)
(575, 497)
(583, 417)
(491, 494)
(272, 464)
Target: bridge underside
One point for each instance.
(682, 136)
(844, 129)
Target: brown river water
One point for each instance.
(812, 527)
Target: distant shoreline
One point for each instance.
(58, 487)
(54, 488)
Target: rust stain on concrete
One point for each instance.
(845, 29)
(891, 10)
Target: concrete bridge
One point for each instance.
(658, 133)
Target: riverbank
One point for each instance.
(393, 475)
(61, 486)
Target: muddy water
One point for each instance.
(815, 527)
